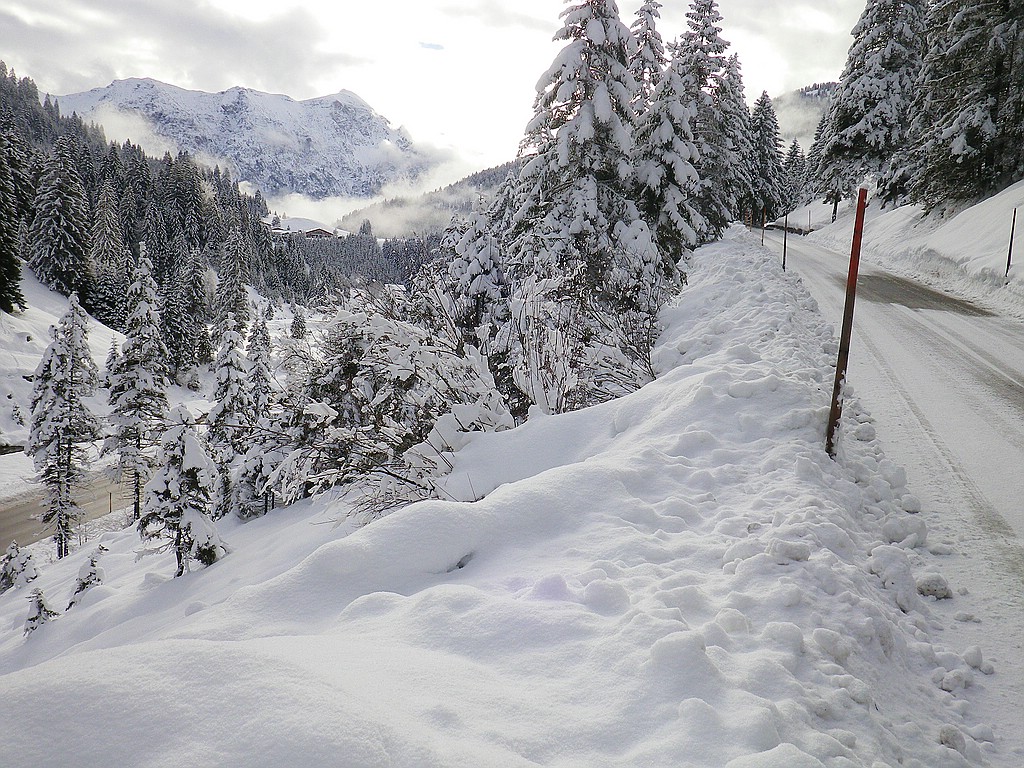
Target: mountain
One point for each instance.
(329, 146)
(799, 112)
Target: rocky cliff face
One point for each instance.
(329, 146)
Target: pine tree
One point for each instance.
(89, 575)
(666, 155)
(10, 261)
(16, 568)
(298, 326)
(733, 176)
(231, 417)
(258, 367)
(794, 172)
(766, 165)
(231, 281)
(61, 421)
(39, 612)
(871, 109)
(479, 284)
(138, 387)
(110, 258)
(970, 100)
(59, 233)
(179, 497)
(648, 61)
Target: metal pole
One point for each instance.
(785, 238)
(1009, 252)
(844, 338)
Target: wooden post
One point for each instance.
(844, 338)
(785, 240)
(762, 224)
(1009, 252)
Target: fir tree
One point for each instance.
(258, 367)
(110, 259)
(666, 175)
(733, 176)
(298, 326)
(59, 233)
(179, 497)
(766, 165)
(16, 567)
(871, 109)
(89, 575)
(39, 612)
(10, 261)
(794, 172)
(231, 418)
(61, 421)
(138, 387)
(231, 281)
(648, 61)
(479, 284)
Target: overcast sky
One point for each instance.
(455, 73)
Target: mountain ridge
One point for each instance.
(334, 145)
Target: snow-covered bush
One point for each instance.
(179, 501)
(39, 612)
(89, 575)
(16, 567)
(385, 400)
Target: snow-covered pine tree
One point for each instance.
(478, 283)
(230, 420)
(970, 96)
(734, 174)
(59, 233)
(871, 108)
(110, 258)
(258, 367)
(648, 60)
(16, 567)
(39, 612)
(701, 50)
(138, 387)
(579, 248)
(766, 159)
(297, 330)
(179, 497)
(89, 575)
(666, 153)
(794, 171)
(231, 281)
(61, 421)
(10, 260)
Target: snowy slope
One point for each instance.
(330, 146)
(23, 338)
(677, 578)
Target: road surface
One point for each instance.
(19, 514)
(944, 380)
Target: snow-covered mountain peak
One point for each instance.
(333, 145)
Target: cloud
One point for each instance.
(496, 13)
(432, 46)
(188, 42)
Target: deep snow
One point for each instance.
(680, 577)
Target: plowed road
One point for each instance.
(944, 380)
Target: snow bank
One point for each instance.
(681, 578)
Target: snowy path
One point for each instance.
(945, 380)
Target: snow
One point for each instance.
(678, 577)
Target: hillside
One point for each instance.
(331, 146)
(677, 577)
